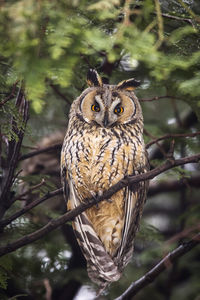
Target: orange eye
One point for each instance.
(118, 110)
(95, 107)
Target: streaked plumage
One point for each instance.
(103, 144)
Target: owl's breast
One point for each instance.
(97, 161)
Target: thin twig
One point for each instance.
(173, 135)
(39, 151)
(58, 92)
(126, 21)
(48, 288)
(19, 197)
(184, 233)
(29, 147)
(55, 223)
(28, 207)
(162, 150)
(188, 9)
(188, 20)
(13, 150)
(172, 17)
(150, 276)
(173, 185)
(160, 24)
(12, 94)
(157, 98)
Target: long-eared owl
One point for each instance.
(103, 144)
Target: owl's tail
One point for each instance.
(101, 267)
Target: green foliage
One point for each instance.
(5, 268)
(48, 40)
(11, 113)
(46, 260)
(149, 233)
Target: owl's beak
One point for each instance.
(105, 120)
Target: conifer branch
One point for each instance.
(28, 207)
(13, 150)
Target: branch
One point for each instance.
(184, 233)
(189, 10)
(188, 20)
(13, 149)
(187, 122)
(55, 223)
(58, 92)
(46, 149)
(160, 147)
(28, 207)
(50, 226)
(157, 98)
(12, 94)
(30, 190)
(149, 277)
(175, 135)
(153, 189)
(160, 24)
(173, 17)
(173, 185)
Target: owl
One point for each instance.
(103, 144)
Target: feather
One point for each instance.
(100, 264)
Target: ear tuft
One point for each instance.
(128, 85)
(93, 78)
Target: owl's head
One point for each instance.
(108, 105)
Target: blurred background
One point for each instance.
(47, 48)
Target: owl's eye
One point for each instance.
(95, 107)
(118, 110)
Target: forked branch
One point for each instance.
(13, 150)
(28, 207)
(173, 135)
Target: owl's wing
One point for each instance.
(101, 267)
(135, 196)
